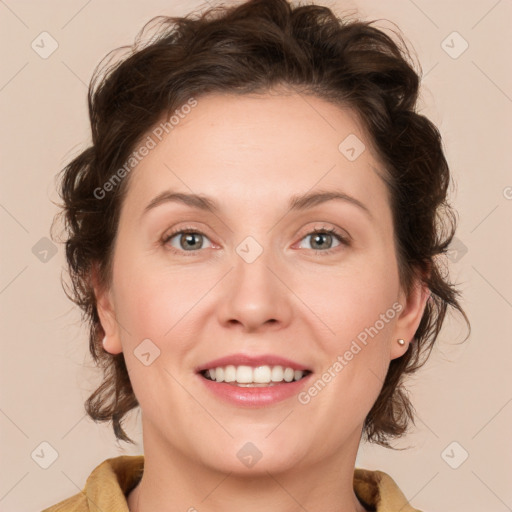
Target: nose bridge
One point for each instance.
(251, 273)
(255, 295)
(252, 267)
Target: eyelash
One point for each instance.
(330, 231)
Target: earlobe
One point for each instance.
(106, 312)
(112, 345)
(409, 319)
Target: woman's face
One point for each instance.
(252, 279)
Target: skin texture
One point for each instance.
(251, 154)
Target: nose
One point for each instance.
(255, 296)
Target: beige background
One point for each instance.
(464, 394)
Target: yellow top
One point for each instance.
(110, 482)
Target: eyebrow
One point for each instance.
(297, 202)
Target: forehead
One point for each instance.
(254, 147)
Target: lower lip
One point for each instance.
(257, 396)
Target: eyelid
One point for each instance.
(324, 227)
(182, 229)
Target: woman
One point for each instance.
(254, 236)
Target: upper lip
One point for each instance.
(252, 360)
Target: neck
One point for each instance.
(325, 485)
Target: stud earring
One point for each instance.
(103, 342)
(401, 341)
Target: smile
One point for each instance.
(248, 376)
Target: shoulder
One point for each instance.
(76, 503)
(107, 485)
(379, 491)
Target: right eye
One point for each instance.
(185, 240)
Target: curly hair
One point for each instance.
(254, 47)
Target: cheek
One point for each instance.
(151, 301)
(354, 299)
(359, 307)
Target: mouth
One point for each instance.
(254, 376)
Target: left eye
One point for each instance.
(187, 240)
(322, 239)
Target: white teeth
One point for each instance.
(230, 373)
(244, 374)
(289, 374)
(277, 374)
(247, 375)
(262, 374)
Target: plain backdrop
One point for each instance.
(458, 458)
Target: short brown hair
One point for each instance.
(254, 47)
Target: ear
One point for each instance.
(106, 312)
(409, 317)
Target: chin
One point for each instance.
(253, 455)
